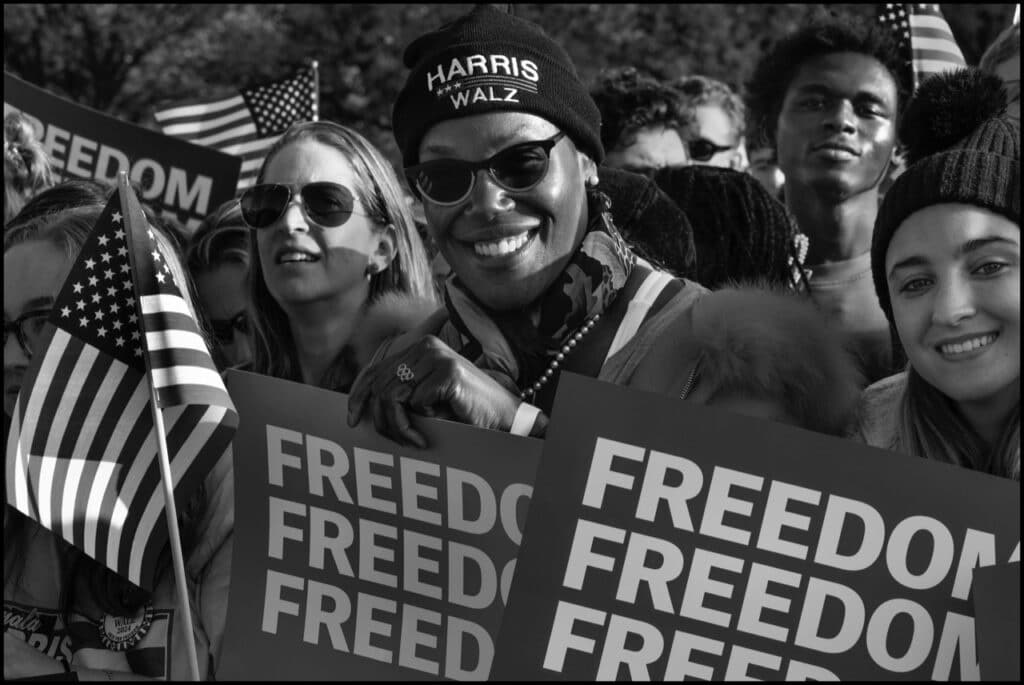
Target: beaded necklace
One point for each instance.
(559, 358)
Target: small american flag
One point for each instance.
(247, 124)
(82, 449)
(925, 40)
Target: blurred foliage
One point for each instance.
(125, 59)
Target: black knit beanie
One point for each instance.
(961, 148)
(737, 224)
(490, 61)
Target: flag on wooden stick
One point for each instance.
(82, 449)
(248, 123)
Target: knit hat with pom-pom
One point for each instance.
(961, 148)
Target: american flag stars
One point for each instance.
(104, 296)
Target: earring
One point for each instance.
(593, 181)
(371, 271)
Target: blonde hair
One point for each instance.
(381, 195)
(27, 168)
(930, 426)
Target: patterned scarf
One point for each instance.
(509, 343)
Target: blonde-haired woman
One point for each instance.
(339, 263)
(26, 166)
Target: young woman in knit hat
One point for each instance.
(502, 142)
(946, 264)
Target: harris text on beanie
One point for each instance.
(490, 61)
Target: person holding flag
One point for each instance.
(103, 362)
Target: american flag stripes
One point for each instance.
(246, 124)
(82, 449)
(925, 39)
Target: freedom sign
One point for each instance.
(668, 540)
(359, 558)
(181, 179)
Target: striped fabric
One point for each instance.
(925, 39)
(247, 124)
(82, 449)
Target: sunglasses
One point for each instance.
(328, 204)
(224, 331)
(703, 149)
(517, 168)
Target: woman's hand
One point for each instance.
(22, 660)
(429, 378)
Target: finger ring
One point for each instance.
(405, 374)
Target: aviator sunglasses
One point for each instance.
(516, 168)
(328, 204)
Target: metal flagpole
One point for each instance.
(316, 92)
(170, 509)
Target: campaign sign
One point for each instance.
(997, 615)
(668, 540)
(358, 558)
(180, 179)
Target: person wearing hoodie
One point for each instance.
(946, 264)
(334, 243)
(66, 615)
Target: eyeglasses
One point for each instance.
(328, 204)
(703, 149)
(517, 168)
(224, 331)
(28, 329)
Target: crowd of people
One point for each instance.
(759, 255)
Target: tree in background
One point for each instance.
(126, 59)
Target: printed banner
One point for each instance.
(178, 178)
(668, 540)
(360, 559)
(997, 611)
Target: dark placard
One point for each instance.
(668, 540)
(178, 178)
(358, 559)
(997, 619)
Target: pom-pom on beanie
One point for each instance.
(961, 148)
(491, 61)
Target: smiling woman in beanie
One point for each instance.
(502, 142)
(946, 263)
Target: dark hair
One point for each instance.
(629, 101)
(74, 192)
(826, 35)
(740, 231)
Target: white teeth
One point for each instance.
(967, 345)
(498, 248)
(295, 257)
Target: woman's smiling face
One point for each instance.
(953, 274)
(507, 246)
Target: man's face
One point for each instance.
(651, 147)
(712, 124)
(837, 125)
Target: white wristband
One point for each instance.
(526, 416)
